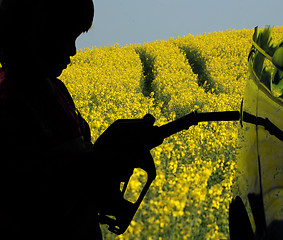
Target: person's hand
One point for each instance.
(121, 148)
(124, 146)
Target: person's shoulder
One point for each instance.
(59, 83)
(63, 89)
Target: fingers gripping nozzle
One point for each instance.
(149, 119)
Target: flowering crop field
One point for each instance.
(196, 168)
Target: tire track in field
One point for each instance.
(198, 65)
(148, 76)
(146, 81)
(148, 61)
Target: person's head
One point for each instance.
(39, 35)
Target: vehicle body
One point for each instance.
(261, 154)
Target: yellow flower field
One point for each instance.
(196, 169)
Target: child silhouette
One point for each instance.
(45, 143)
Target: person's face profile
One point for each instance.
(56, 51)
(59, 57)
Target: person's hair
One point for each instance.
(24, 22)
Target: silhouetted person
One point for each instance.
(45, 144)
(55, 183)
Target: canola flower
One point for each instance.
(196, 169)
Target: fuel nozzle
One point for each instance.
(140, 135)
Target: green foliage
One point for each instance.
(262, 61)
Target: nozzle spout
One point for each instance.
(194, 118)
